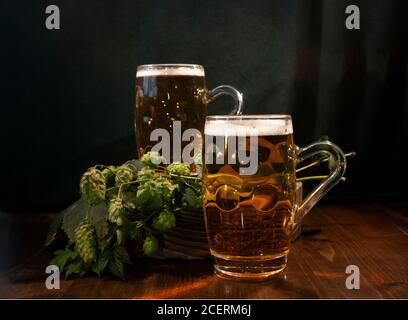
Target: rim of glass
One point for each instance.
(169, 66)
(250, 117)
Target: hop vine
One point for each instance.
(136, 202)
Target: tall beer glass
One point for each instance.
(169, 95)
(249, 191)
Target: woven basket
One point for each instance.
(188, 240)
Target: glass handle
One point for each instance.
(230, 91)
(337, 157)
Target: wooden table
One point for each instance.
(372, 236)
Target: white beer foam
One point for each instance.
(171, 71)
(261, 127)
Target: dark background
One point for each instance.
(67, 95)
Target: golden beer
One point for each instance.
(167, 94)
(249, 217)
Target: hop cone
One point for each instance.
(86, 241)
(93, 186)
(150, 245)
(124, 174)
(164, 188)
(115, 210)
(164, 221)
(109, 174)
(152, 159)
(145, 174)
(178, 168)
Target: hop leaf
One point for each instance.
(115, 210)
(124, 174)
(150, 245)
(191, 199)
(165, 220)
(178, 168)
(152, 159)
(86, 245)
(93, 186)
(62, 257)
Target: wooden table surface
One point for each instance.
(372, 236)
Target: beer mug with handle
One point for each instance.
(174, 94)
(249, 185)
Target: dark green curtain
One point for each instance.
(67, 95)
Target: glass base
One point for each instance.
(249, 268)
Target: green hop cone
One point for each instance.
(178, 168)
(145, 174)
(150, 245)
(124, 174)
(165, 188)
(109, 174)
(93, 186)
(115, 210)
(152, 159)
(86, 245)
(165, 220)
(154, 193)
